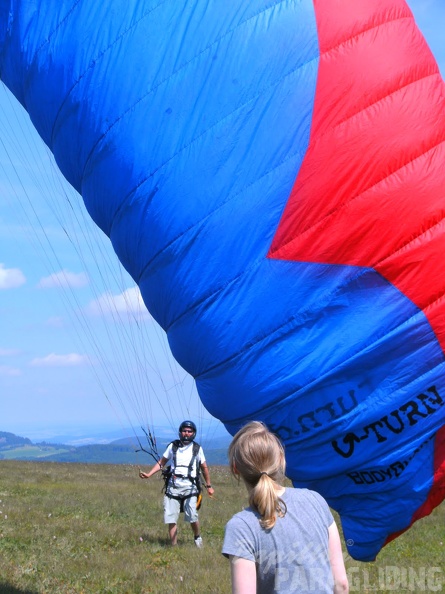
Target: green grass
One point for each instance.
(83, 528)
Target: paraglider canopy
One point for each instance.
(271, 175)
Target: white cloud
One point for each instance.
(6, 370)
(53, 360)
(64, 279)
(11, 278)
(128, 302)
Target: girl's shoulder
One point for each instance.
(304, 495)
(245, 516)
(308, 499)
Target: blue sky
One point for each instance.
(78, 351)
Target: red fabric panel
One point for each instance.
(371, 189)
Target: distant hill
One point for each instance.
(121, 451)
(215, 443)
(11, 440)
(14, 447)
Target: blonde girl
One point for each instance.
(286, 540)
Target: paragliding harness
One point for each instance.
(168, 475)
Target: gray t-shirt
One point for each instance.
(291, 557)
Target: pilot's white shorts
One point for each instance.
(172, 507)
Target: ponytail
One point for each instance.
(257, 456)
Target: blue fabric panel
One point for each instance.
(184, 126)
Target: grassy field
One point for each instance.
(82, 528)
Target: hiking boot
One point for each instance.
(198, 542)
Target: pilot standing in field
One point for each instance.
(183, 485)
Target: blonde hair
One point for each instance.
(257, 455)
